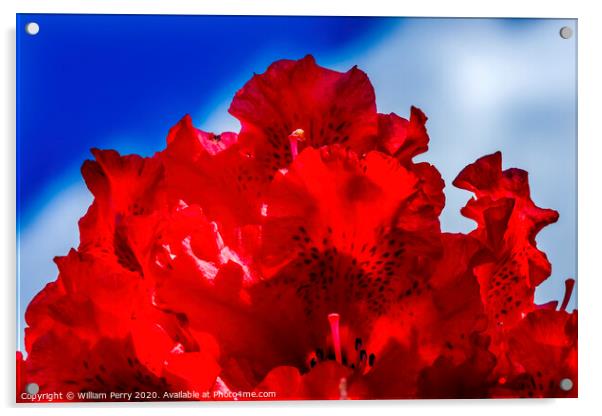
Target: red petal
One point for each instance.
(457, 312)
(285, 381)
(184, 137)
(542, 351)
(334, 195)
(97, 328)
(402, 138)
(123, 186)
(220, 177)
(22, 377)
(394, 375)
(321, 383)
(470, 378)
(329, 106)
(508, 222)
(65, 363)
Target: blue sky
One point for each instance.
(121, 81)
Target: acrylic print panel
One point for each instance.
(277, 208)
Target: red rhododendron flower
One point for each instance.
(302, 256)
(508, 222)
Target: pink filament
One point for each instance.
(569, 284)
(294, 138)
(333, 318)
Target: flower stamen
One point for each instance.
(295, 137)
(569, 284)
(334, 318)
(343, 389)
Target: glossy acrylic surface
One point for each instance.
(121, 82)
